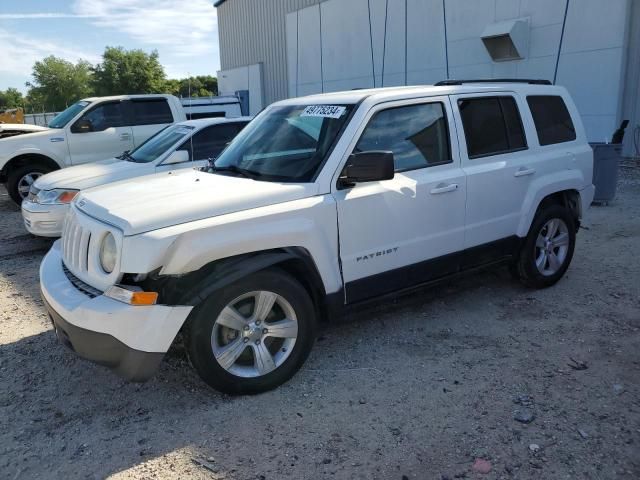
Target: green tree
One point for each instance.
(201, 86)
(172, 86)
(57, 83)
(128, 71)
(11, 98)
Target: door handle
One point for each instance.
(524, 171)
(125, 136)
(444, 188)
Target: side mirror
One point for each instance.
(177, 156)
(83, 125)
(368, 166)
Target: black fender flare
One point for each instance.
(194, 287)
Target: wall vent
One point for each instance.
(508, 40)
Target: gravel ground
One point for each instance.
(420, 388)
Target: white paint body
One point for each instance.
(180, 223)
(46, 219)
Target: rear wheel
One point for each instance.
(253, 335)
(548, 249)
(20, 179)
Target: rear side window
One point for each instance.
(151, 112)
(492, 125)
(416, 134)
(552, 119)
(210, 141)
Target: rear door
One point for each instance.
(100, 133)
(147, 116)
(400, 232)
(499, 166)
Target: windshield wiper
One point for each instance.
(126, 156)
(233, 169)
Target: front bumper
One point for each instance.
(129, 340)
(43, 220)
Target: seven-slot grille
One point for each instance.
(75, 244)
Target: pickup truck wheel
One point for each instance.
(548, 248)
(252, 335)
(19, 180)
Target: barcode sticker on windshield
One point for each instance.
(329, 111)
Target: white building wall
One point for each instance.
(244, 78)
(340, 45)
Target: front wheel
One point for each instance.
(546, 253)
(20, 179)
(252, 335)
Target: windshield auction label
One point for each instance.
(327, 111)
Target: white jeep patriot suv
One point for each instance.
(319, 204)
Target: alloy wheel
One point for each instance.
(254, 334)
(552, 246)
(24, 184)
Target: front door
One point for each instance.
(99, 134)
(400, 232)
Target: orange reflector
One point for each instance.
(66, 197)
(131, 296)
(144, 298)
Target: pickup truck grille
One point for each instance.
(75, 244)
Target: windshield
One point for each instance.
(285, 144)
(64, 117)
(159, 143)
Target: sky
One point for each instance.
(185, 33)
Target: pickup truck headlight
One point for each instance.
(108, 253)
(57, 196)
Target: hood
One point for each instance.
(12, 129)
(165, 199)
(26, 139)
(21, 127)
(93, 174)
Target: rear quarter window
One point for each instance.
(552, 119)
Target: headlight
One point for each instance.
(56, 196)
(108, 253)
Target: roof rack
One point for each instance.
(530, 81)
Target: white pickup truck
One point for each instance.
(319, 204)
(89, 130)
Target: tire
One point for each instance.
(229, 343)
(548, 249)
(20, 177)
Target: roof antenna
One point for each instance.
(191, 137)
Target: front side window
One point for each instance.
(98, 119)
(151, 112)
(552, 119)
(285, 144)
(159, 143)
(492, 126)
(416, 134)
(64, 117)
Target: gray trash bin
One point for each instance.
(606, 158)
